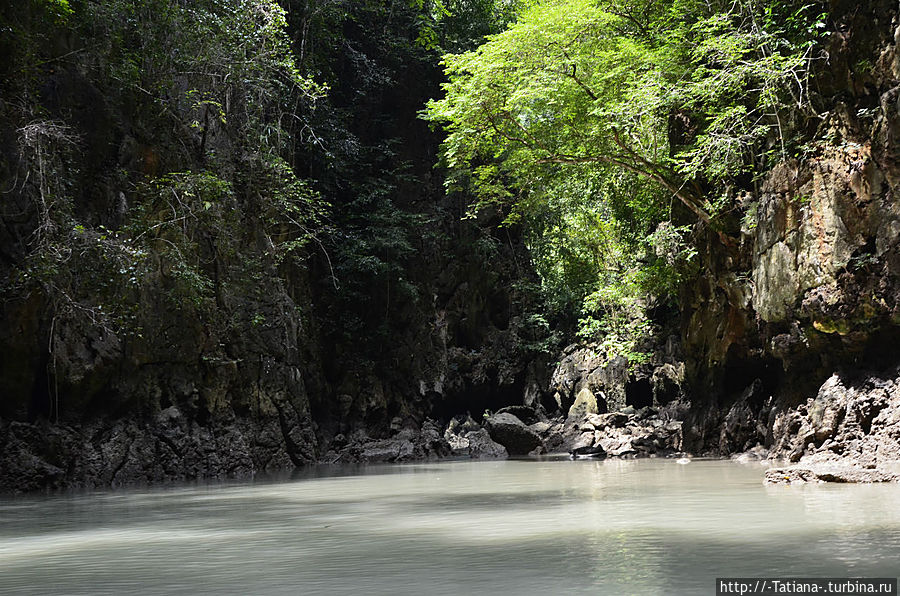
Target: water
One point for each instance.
(508, 527)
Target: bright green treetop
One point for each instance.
(600, 113)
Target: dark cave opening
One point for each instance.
(638, 393)
(475, 400)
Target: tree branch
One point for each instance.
(573, 75)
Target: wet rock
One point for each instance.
(467, 438)
(848, 424)
(432, 441)
(459, 443)
(592, 452)
(169, 447)
(818, 473)
(509, 431)
(24, 467)
(617, 445)
(756, 454)
(460, 425)
(409, 444)
(637, 432)
(388, 450)
(585, 440)
(556, 438)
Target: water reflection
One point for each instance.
(528, 527)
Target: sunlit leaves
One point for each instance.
(589, 89)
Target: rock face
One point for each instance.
(171, 447)
(784, 327)
(233, 375)
(586, 382)
(848, 432)
(170, 351)
(856, 421)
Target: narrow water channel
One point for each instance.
(506, 527)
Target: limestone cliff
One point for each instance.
(177, 302)
(805, 300)
(812, 288)
(216, 356)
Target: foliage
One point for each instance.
(86, 275)
(586, 119)
(456, 25)
(231, 59)
(214, 97)
(375, 230)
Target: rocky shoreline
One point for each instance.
(848, 432)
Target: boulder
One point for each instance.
(388, 450)
(512, 433)
(481, 446)
(585, 441)
(526, 414)
(541, 428)
(612, 419)
(585, 403)
(593, 452)
(468, 439)
(406, 445)
(617, 445)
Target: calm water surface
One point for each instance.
(509, 527)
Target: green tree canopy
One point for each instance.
(645, 102)
(593, 82)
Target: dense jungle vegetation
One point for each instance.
(183, 154)
(610, 129)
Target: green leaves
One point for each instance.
(745, 80)
(588, 119)
(60, 8)
(581, 81)
(560, 87)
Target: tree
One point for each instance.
(641, 102)
(593, 82)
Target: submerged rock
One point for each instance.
(818, 473)
(592, 452)
(757, 454)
